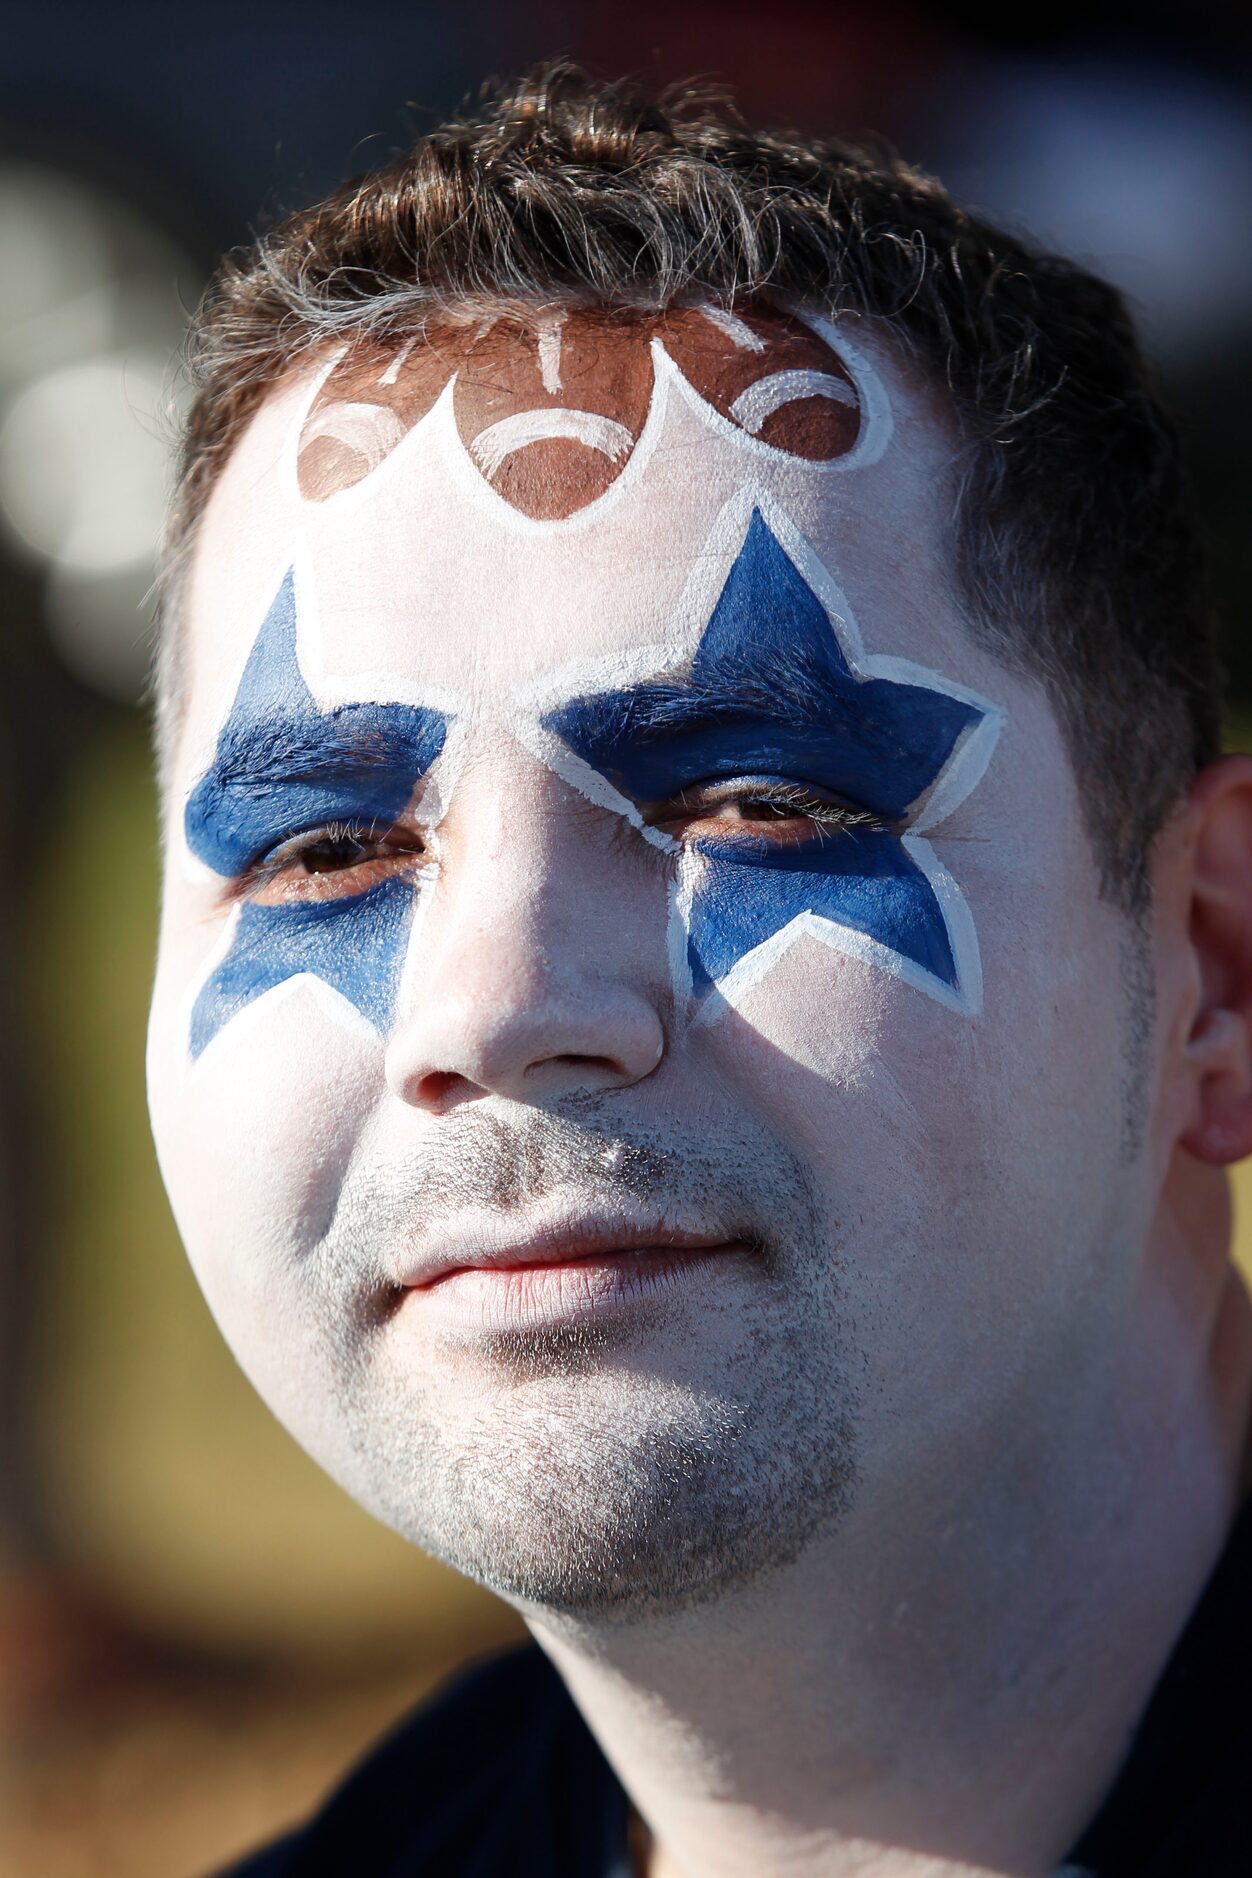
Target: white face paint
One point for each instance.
(690, 880)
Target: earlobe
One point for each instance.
(1219, 1046)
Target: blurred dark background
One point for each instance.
(196, 1630)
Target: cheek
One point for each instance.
(255, 1137)
(971, 1165)
(882, 1081)
(852, 1064)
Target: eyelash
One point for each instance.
(271, 867)
(828, 814)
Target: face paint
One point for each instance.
(283, 767)
(754, 597)
(772, 696)
(551, 414)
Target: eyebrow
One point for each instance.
(279, 747)
(778, 689)
(278, 772)
(879, 742)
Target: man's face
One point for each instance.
(638, 1054)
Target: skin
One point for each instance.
(831, 1536)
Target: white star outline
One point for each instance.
(959, 776)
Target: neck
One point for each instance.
(948, 1682)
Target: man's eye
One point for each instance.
(332, 854)
(332, 863)
(779, 812)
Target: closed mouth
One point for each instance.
(584, 1246)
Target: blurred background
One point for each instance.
(196, 1630)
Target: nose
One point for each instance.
(539, 965)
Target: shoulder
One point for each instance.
(466, 1783)
(1181, 1807)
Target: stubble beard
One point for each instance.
(619, 1470)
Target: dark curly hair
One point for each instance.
(1074, 552)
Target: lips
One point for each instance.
(485, 1247)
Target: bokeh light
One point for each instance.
(90, 323)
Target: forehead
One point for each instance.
(486, 507)
(551, 409)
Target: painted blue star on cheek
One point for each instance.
(772, 697)
(282, 767)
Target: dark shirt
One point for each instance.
(499, 1776)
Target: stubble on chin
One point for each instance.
(609, 1471)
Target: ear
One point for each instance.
(1219, 1044)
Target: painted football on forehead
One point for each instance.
(549, 412)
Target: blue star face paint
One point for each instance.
(772, 696)
(354, 945)
(283, 767)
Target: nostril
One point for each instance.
(601, 1065)
(457, 1049)
(442, 1089)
